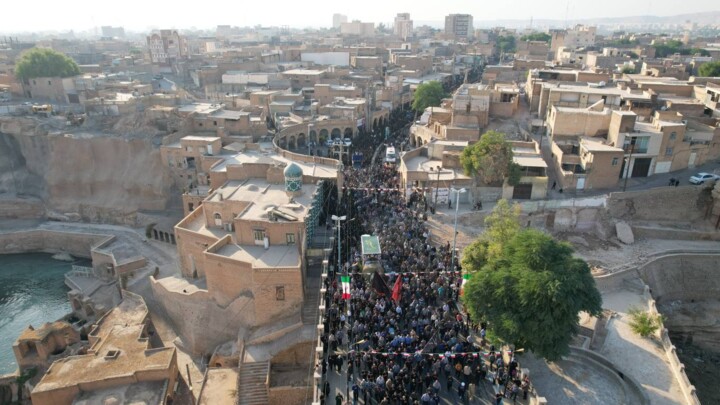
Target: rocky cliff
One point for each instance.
(95, 176)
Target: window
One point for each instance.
(215, 123)
(615, 161)
(280, 293)
(290, 238)
(673, 135)
(218, 219)
(668, 151)
(259, 235)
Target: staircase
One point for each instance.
(253, 383)
(312, 301)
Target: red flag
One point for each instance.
(396, 289)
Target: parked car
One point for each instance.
(701, 178)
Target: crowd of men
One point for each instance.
(401, 336)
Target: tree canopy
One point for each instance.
(428, 94)
(674, 46)
(505, 43)
(710, 69)
(490, 159)
(527, 286)
(537, 36)
(43, 62)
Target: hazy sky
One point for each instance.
(80, 15)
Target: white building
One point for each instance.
(403, 26)
(338, 19)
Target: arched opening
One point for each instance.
(218, 219)
(348, 133)
(419, 142)
(282, 143)
(291, 142)
(155, 234)
(313, 136)
(323, 135)
(335, 133)
(301, 141)
(375, 124)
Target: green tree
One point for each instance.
(628, 69)
(42, 62)
(490, 159)
(531, 292)
(428, 94)
(505, 44)
(537, 36)
(643, 322)
(710, 69)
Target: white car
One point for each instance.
(701, 178)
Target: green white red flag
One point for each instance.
(466, 277)
(345, 287)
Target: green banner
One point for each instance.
(370, 245)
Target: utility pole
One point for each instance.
(627, 165)
(457, 207)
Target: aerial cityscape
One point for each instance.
(421, 204)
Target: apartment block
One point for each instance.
(166, 47)
(459, 26)
(403, 27)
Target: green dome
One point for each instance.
(293, 171)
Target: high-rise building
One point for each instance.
(338, 19)
(357, 28)
(166, 46)
(459, 26)
(403, 25)
(112, 32)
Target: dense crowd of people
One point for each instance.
(401, 336)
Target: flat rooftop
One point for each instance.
(200, 108)
(594, 145)
(276, 256)
(308, 72)
(141, 393)
(530, 161)
(267, 155)
(220, 386)
(423, 164)
(263, 196)
(119, 331)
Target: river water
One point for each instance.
(32, 292)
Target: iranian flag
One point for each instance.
(466, 277)
(345, 287)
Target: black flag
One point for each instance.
(380, 285)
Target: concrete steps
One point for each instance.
(253, 383)
(312, 301)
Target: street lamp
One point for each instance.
(439, 168)
(338, 219)
(457, 206)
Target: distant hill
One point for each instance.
(708, 18)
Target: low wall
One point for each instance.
(676, 366)
(630, 382)
(673, 234)
(22, 209)
(683, 276)
(290, 395)
(40, 240)
(663, 203)
(197, 318)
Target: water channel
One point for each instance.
(32, 292)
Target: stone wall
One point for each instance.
(660, 204)
(40, 240)
(197, 318)
(21, 208)
(300, 354)
(290, 395)
(683, 277)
